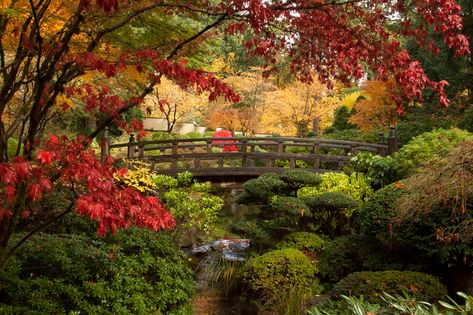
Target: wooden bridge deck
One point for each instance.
(244, 156)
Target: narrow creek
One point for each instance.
(215, 301)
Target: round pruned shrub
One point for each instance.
(289, 208)
(278, 273)
(303, 241)
(355, 185)
(371, 285)
(296, 179)
(261, 189)
(331, 213)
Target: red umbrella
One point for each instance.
(225, 134)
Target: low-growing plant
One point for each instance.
(273, 275)
(355, 185)
(370, 284)
(303, 241)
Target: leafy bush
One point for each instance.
(292, 209)
(339, 258)
(276, 273)
(303, 241)
(136, 271)
(419, 124)
(261, 189)
(194, 206)
(296, 179)
(330, 212)
(355, 185)
(379, 170)
(467, 122)
(249, 229)
(433, 235)
(425, 146)
(385, 170)
(371, 284)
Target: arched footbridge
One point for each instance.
(247, 156)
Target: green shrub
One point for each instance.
(385, 170)
(330, 212)
(421, 233)
(296, 179)
(355, 185)
(292, 209)
(195, 206)
(136, 271)
(340, 257)
(261, 189)
(303, 241)
(406, 130)
(249, 229)
(371, 285)
(467, 122)
(276, 273)
(379, 170)
(426, 146)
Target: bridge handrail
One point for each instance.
(199, 156)
(270, 140)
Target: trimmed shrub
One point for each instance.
(331, 212)
(249, 229)
(291, 209)
(371, 285)
(261, 189)
(339, 258)
(296, 179)
(279, 272)
(355, 185)
(303, 241)
(136, 271)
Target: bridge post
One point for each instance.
(393, 144)
(244, 150)
(131, 147)
(105, 149)
(174, 155)
(381, 140)
(141, 152)
(315, 151)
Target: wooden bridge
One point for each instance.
(245, 156)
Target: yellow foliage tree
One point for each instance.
(297, 105)
(377, 110)
(175, 105)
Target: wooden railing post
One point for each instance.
(209, 145)
(392, 141)
(381, 141)
(131, 147)
(244, 150)
(280, 146)
(174, 155)
(315, 151)
(141, 151)
(105, 150)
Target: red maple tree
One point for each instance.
(46, 46)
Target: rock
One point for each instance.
(230, 245)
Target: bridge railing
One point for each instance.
(246, 155)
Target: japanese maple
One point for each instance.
(48, 47)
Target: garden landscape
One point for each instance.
(236, 157)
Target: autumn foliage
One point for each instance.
(51, 49)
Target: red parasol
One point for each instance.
(225, 134)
